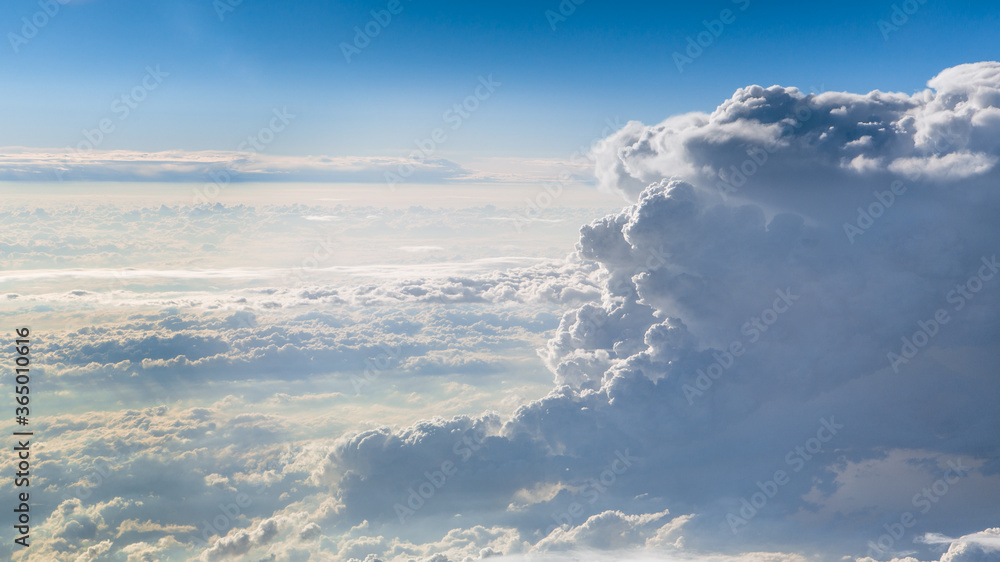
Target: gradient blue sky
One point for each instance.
(607, 60)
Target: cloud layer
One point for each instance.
(751, 351)
(794, 365)
(224, 167)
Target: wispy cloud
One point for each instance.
(65, 164)
(403, 271)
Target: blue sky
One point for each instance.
(605, 61)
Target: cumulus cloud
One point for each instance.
(613, 530)
(983, 546)
(788, 338)
(417, 325)
(748, 348)
(242, 541)
(782, 141)
(975, 547)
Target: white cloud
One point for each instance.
(64, 164)
(732, 332)
(796, 141)
(720, 358)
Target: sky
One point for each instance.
(229, 64)
(436, 282)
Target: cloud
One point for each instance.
(473, 325)
(242, 541)
(983, 546)
(782, 141)
(748, 350)
(224, 167)
(24, 164)
(806, 359)
(976, 547)
(613, 530)
(384, 271)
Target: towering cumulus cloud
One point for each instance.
(794, 349)
(786, 351)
